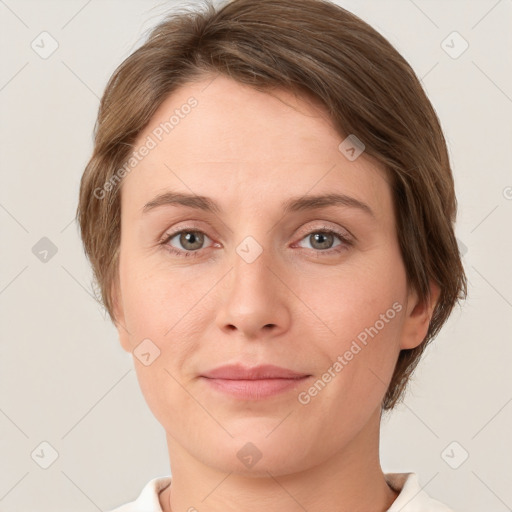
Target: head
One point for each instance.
(236, 108)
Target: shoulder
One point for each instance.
(412, 497)
(147, 500)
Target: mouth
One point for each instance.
(254, 383)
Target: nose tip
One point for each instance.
(252, 304)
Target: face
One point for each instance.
(253, 272)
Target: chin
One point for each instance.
(258, 455)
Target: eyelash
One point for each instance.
(193, 254)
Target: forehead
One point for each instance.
(218, 137)
(232, 121)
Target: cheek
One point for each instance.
(152, 300)
(168, 308)
(354, 297)
(357, 363)
(363, 307)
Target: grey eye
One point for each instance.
(321, 240)
(189, 240)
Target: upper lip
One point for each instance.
(241, 372)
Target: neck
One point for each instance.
(350, 480)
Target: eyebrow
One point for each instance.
(294, 204)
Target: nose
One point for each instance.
(254, 300)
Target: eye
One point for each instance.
(188, 241)
(322, 240)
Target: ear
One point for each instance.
(118, 310)
(418, 316)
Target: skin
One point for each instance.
(299, 305)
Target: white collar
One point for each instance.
(411, 498)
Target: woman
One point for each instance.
(269, 215)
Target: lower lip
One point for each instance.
(254, 389)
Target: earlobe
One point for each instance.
(418, 317)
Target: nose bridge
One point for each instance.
(251, 262)
(253, 299)
(252, 243)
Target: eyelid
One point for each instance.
(336, 229)
(190, 226)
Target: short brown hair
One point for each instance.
(314, 48)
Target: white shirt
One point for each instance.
(412, 497)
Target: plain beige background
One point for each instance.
(64, 379)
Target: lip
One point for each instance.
(253, 383)
(241, 372)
